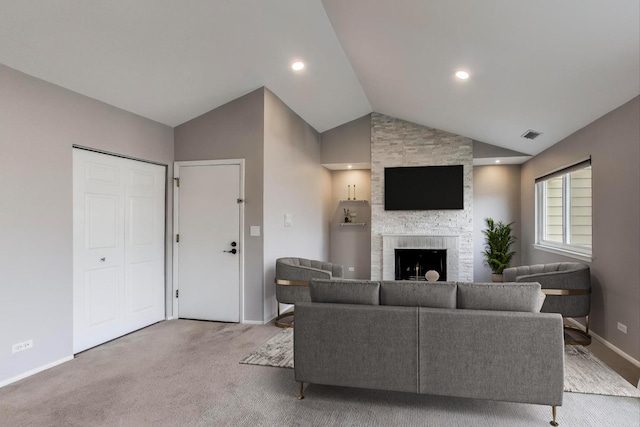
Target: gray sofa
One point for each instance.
(486, 341)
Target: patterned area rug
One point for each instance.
(583, 372)
(278, 352)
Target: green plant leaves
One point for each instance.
(498, 241)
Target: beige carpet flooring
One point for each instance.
(583, 372)
(186, 373)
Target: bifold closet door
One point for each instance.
(118, 246)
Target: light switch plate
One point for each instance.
(254, 230)
(288, 220)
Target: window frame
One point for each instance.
(583, 253)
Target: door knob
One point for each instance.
(233, 251)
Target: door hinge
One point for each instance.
(177, 293)
(177, 180)
(177, 238)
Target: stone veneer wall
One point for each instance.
(395, 143)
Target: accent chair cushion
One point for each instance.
(345, 291)
(418, 294)
(509, 296)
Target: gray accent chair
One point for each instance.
(292, 282)
(567, 286)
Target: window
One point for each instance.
(563, 210)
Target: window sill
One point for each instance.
(564, 252)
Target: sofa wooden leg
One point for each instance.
(301, 396)
(553, 413)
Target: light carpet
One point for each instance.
(186, 373)
(583, 373)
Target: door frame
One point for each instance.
(176, 227)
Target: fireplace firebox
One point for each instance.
(412, 264)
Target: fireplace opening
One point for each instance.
(413, 264)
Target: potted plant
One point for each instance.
(498, 241)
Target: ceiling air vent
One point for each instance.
(531, 134)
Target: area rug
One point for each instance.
(583, 372)
(278, 352)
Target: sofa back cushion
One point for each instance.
(418, 294)
(345, 291)
(500, 296)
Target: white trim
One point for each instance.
(607, 343)
(169, 318)
(253, 322)
(564, 252)
(35, 371)
(176, 211)
(561, 168)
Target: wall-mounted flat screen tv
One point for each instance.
(423, 188)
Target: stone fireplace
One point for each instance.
(413, 264)
(394, 143)
(447, 245)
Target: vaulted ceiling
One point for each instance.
(547, 65)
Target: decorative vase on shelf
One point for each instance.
(497, 278)
(347, 215)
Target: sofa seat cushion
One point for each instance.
(345, 291)
(418, 294)
(509, 296)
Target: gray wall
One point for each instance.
(351, 245)
(39, 124)
(348, 143)
(295, 183)
(235, 131)
(613, 142)
(496, 194)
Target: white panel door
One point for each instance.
(209, 248)
(118, 247)
(144, 244)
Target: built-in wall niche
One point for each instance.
(350, 242)
(350, 210)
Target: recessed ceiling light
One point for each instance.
(498, 161)
(462, 75)
(349, 166)
(297, 66)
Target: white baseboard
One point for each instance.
(253, 322)
(607, 344)
(169, 318)
(35, 371)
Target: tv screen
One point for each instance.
(423, 188)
